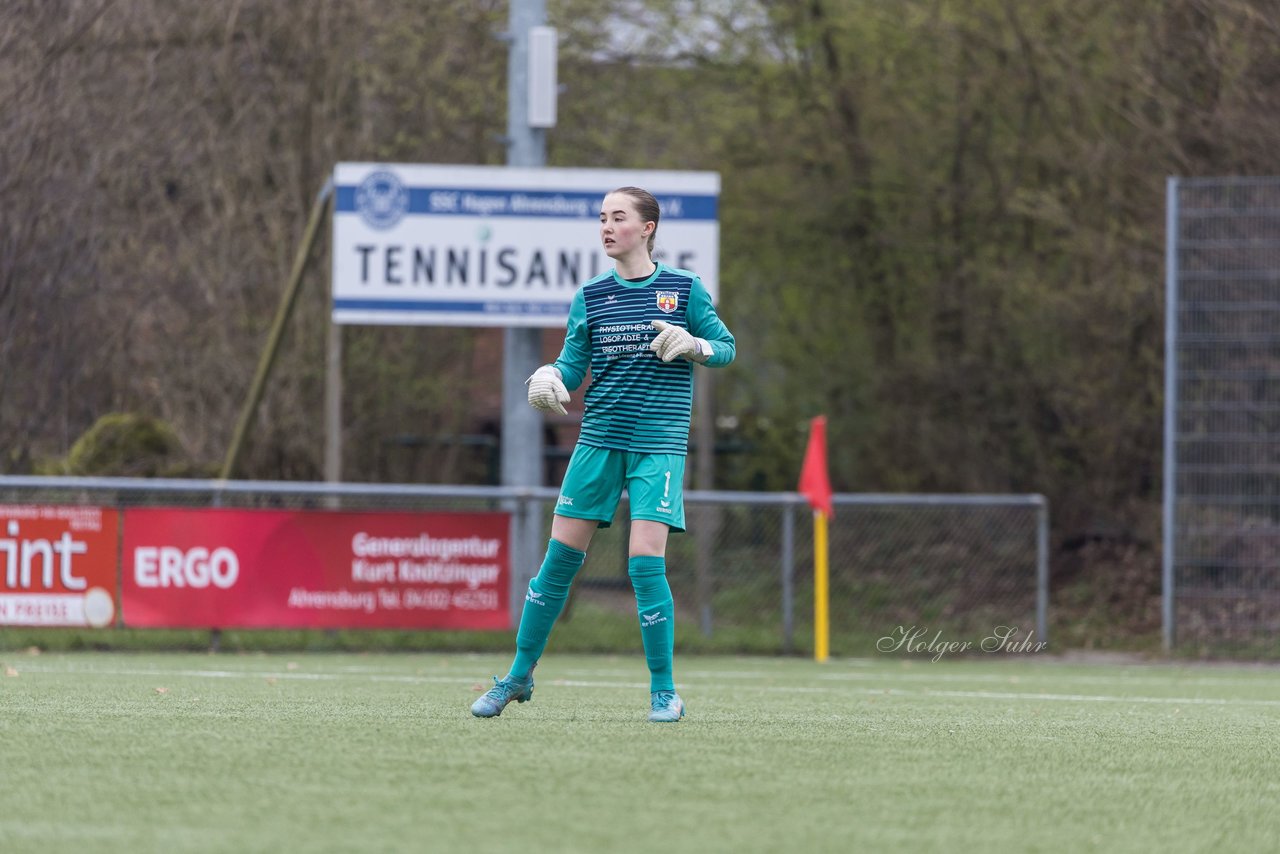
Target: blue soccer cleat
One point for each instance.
(668, 708)
(493, 701)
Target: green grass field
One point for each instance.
(109, 752)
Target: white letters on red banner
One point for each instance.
(57, 565)
(314, 569)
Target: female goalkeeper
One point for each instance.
(640, 328)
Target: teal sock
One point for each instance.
(657, 617)
(543, 603)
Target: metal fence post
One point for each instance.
(1170, 411)
(1042, 570)
(788, 575)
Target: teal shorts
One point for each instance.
(595, 479)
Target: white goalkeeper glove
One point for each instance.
(546, 390)
(673, 341)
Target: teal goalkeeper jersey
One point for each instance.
(637, 402)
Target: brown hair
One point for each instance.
(646, 206)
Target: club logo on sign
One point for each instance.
(382, 200)
(667, 301)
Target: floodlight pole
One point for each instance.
(522, 461)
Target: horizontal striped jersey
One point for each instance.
(637, 402)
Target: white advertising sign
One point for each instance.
(493, 245)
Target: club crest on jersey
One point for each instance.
(668, 300)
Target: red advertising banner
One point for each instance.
(315, 569)
(58, 565)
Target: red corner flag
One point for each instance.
(814, 483)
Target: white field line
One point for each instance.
(1181, 678)
(1098, 698)
(928, 672)
(1128, 678)
(310, 677)
(577, 683)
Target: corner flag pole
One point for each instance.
(821, 589)
(816, 486)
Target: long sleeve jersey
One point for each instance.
(637, 402)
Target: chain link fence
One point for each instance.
(1222, 414)
(957, 567)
